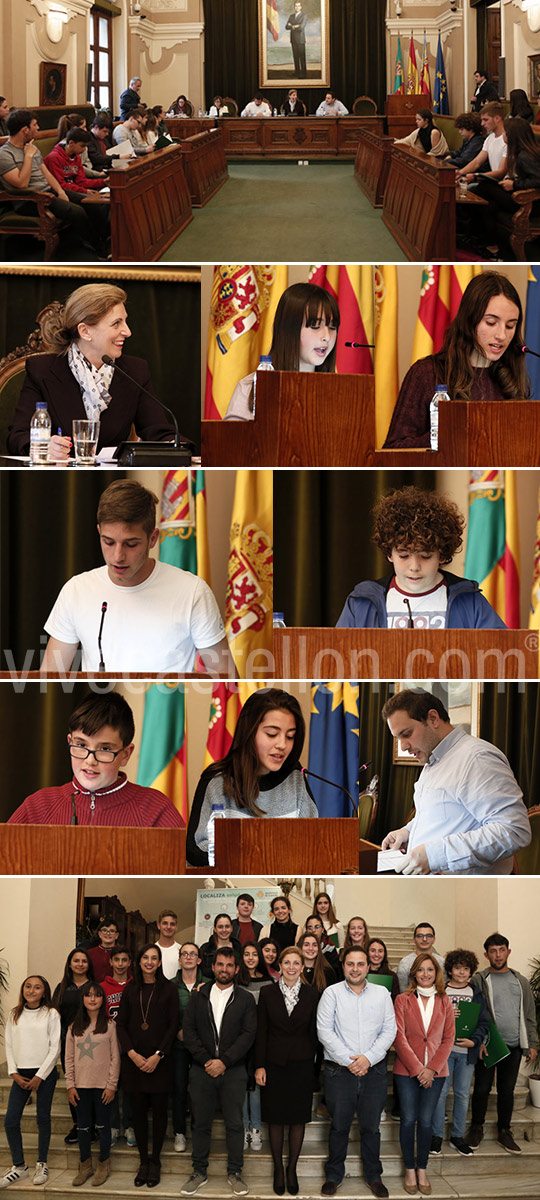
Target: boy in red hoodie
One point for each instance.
(113, 985)
(64, 163)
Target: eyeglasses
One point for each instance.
(101, 756)
(425, 937)
(188, 954)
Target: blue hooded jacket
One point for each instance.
(365, 607)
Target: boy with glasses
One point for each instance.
(100, 740)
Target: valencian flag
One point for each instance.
(399, 85)
(162, 761)
(534, 619)
(227, 700)
(333, 746)
(440, 297)
(386, 344)
(492, 556)
(425, 82)
(242, 309)
(352, 286)
(532, 329)
(440, 95)
(413, 84)
(272, 19)
(248, 610)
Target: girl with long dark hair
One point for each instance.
(522, 172)
(32, 1040)
(77, 971)
(378, 964)
(481, 359)
(222, 935)
(92, 1069)
(260, 775)
(304, 339)
(426, 136)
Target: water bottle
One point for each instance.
(40, 435)
(275, 112)
(265, 364)
(439, 394)
(217, 811)
(279, 621)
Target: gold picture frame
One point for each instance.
(294, 55)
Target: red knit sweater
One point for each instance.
(124, 803)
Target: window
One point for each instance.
(101, 94)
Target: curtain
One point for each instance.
(357, 53)
(510, 718)
(322, 522)
(48, 533)
(164, 318)
(34, 751)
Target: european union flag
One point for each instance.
(532, 329)
(440, 94)
(334, 746)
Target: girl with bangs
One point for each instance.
(304, 339)
(481, 359)
(260, 776)
(32, 1041)
(92, 1070)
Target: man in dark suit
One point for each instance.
(485, 90)
(297, 25)
(131, 98)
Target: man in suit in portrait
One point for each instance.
(297, 25)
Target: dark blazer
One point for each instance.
(237, 1031)
(297, 25)
(297, 111)
(49, 378)
(282, 1039)
(129, 100)
(256, 929)
(486, 92)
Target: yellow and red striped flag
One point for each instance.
(227, 700)
(272, 19)
(386, 348)
(534, 619)
(425, 82)
(248, 609)
(352, 286)
(242, 309)
(440, 297)
(413, 83)
(492, 557)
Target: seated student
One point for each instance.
(470, 128)
(417, 532)
(519, 105)
(331, 107)
(491, 159)
(157, 615)
(426, 136)
(64, 162)
(22, 167)
(481, 359)
(258, 107)
(180, 107)
(75, 121)
(74, 381)
(303, 339)
(260, 775)
(100, 140)
(4, 112)
(100, 743)
(149, 129)
(130, 131)
(522, 171)
(292, 106)
(162, 129)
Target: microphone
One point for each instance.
(410, 622)
(355, 804)
(151, 454)
(360, 345)
(527, 350)
(74, 818)
(104, 607)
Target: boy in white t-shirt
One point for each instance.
(135, 613)
(419, 533)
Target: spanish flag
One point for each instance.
(248, 611)
(242, 309)
(162, 761)
(492, 556)
(425, 82)
(272, 19)
(413, 84)
(534, 619)
(227, 701)
(352, 286)
(440, 297)
(386, 348)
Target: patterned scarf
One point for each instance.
(290, 994)
(94, 382)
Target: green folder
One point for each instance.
(496, 1047)
(382, 980)
(467, 1015)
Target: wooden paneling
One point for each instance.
(372, 164)
(476, 434)
(283, 137)
(205, 165)
(327, 846)
(83, 850)
(150, 206)
(419, 205)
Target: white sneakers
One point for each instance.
(179, 1143)
(256, 1139)
(129, 1135)
(41, 1174)
(13, 1175)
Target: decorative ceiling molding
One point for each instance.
(445, 24)
(158, 37)
(165, 5)
(71, 8)
(532, 10)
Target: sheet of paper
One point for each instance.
(389, 860)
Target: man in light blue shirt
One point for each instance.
(470, 818)
(356, 1025)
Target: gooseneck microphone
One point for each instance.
(527, 350)
(360, 345)
(151, 454)
(74, 818)
(104, 607)
(340, 788)
(410, 622)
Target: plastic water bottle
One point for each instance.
(439, 394)
(217, 811)
(275, 112)
(279, 621)
(265, 364)
(40, 435)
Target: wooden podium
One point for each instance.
(91, 850)
(483, 433)
(322, 654)
(324, 846)
(401, 111)
(301, 420)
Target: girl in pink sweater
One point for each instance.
(92, 1069)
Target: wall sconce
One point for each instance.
(54, 21)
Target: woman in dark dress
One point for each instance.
(147, 1025)
(285, 1049)
(77, 971)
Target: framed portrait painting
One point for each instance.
(534, 76)
(293, 43)
(52, 83)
